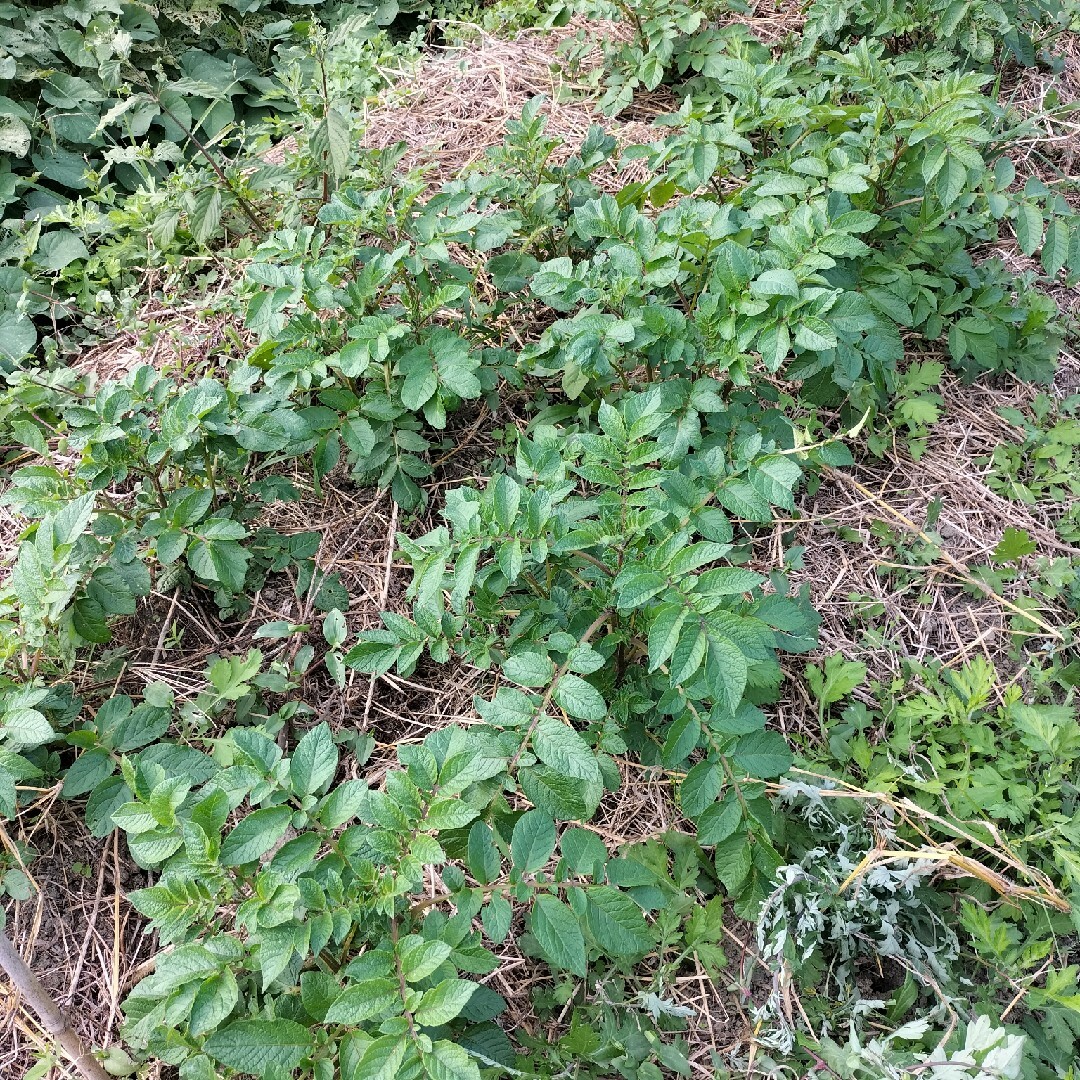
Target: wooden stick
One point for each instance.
(48, 1012)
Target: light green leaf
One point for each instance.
(364, 1000)
(635, 585)
(343, 803)
(214, 1002)
(1029, 227)
(314, 761)
(664, 633)
(1014, 545)
(448, 1061)
(334, 628)
(529, 668)
(420, 958)
(565, 798)
(382, 1059)
(565, 750)
(835, 679)
(533, 841)
(558, 934)
(444, 1002)
(616, 922)
(815, 334)
(1055, 250)
(224, 561)
(580, 698)
(25, 728)
(777, 282)
(260, 1046)
(255, 835)
(950, 181)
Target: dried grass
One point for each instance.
(881, 615)
(1052, 148)
(454, 107)
(79, 936)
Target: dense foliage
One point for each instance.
(696, 347)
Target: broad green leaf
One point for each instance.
(25, 728)
(364, 1000)
(719, 821)
(579, 698)
(583, 851)
(1055, 252)
(664, 633)
(689, 653)
(343, 803)
(448, 813)
(448, 1061)
(314, 761)
(682, 739)
(814, 334)
(506, 500)
(565, 750)
(533, 841)
(87, 771)
(1029, 227)
(224, 561)
(18, 336)
(705, 159)
(258, 1047)
(420, 958)
(950, 181)
(700, 787)
(335, 629)
(635, 585)
(382, 1059)
(733, 860)
(255, 835)
(529, 668)
(778, 282)
(616, 922)
(444, 1002)
(565, 798)
(496, 916)
(483, 859)
(725, 671)
(558, 934)
(763, 754)
(214, 1002)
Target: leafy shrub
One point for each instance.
(808, 215)
(977, 31)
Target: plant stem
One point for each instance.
(249, 211)
(47, 1011)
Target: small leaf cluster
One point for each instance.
(1043, 468)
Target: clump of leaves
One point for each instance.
(1044, 467)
